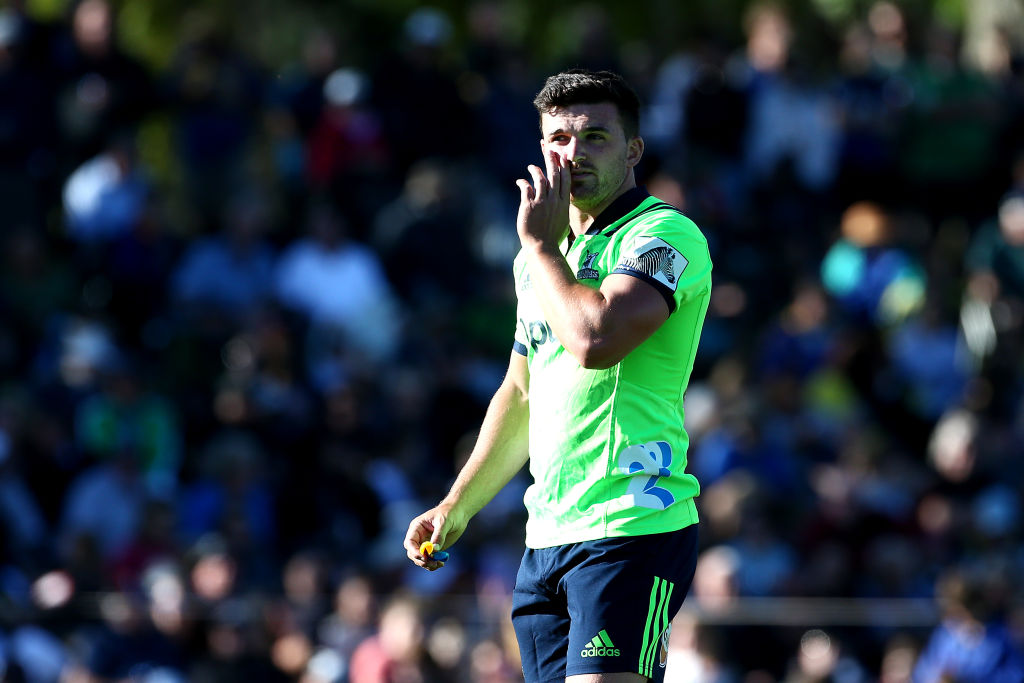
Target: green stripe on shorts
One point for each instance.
(657, 621)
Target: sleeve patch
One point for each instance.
(656, 259)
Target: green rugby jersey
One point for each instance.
(608, 447)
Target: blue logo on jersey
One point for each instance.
(538, 333)
(587, 270)
(647, 463)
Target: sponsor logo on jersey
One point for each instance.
(537, 333)
(656, 259)
(587, 270)
(600, 646)
(648, 464)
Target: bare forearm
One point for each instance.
(501, 450)
(578, 315)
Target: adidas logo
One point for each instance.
(600, 646)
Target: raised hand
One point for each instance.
(544, 202)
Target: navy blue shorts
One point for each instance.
(601, 606)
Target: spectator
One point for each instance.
(996, 251)
(954, 108)
(339, 286)
(920, 345)
(427, 223)
(348, 154)
(419, 71)
(214, 91)
(820, 658)
(396, 652)
(100, 89)
(130, 645)
(870, 95)
(696, 653)
(228, 276)
(352, 619)
(105, 504)
(231, 496)
(799, 342)
(105, 197)
(305, 591)
(138, 267)
(25, 525)
(972, 642)
(872, 278)
(301, 88)
(125, 415)
(28, 129)
(791, 120)
(34, 285)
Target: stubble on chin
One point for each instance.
(587, 196)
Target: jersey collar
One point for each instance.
(623, 205)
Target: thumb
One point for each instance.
(437, 536)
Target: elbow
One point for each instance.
(595, 354)
(599, 363)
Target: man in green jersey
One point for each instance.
(613, 286)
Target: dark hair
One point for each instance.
(580, 86)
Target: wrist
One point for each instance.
(548, 239)
(541, 248)
(455, 510)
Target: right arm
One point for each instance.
(501, 450)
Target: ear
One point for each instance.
(634, 150)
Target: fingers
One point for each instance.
(558, 173)
(423, 528)
(552, 166)
(544, 202)
(553, 180)
(526, 191)
(540, 181)
(433, 556)
(420, 529)
(564, 177)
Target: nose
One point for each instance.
(574, 151)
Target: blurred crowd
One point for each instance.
(232, 372)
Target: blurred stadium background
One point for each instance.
(255, 293)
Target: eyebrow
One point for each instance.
(588, 129)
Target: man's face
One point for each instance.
(590, 136)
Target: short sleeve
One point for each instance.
(670, 254)
(520, 342)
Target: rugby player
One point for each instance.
(613, 286)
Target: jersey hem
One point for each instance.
(626, 528)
